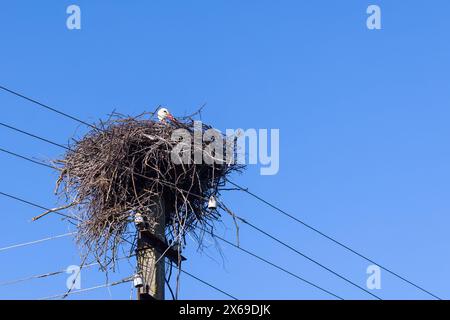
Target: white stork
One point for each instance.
(164, 114)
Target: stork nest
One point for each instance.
(124, 166)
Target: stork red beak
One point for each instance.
(170, 116)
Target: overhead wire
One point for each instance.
(24, 244)
(250, 193)
(298, 252)
(332, 239)
(242, 249)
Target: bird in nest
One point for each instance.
(166, 118)
(164, 115)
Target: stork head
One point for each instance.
(163, 113)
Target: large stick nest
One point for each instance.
(125, 167)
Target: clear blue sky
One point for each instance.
(363, 118)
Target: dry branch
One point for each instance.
(117, 171)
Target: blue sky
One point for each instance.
(363, 119)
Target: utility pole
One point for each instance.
(152, 249)
(150, 260)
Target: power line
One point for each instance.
(332, 239)
(33, 135)
(47, 107)
(57, 272)
(247, 191)
(306, 257)
(48, 274)
(24, 244)
(208, 284)
(33, 204)
(38, 276)
(289, 247)
(128, 279)
(265, 233)
(193, 276)
(244, 250)
(26, 158)
(45, 275)
(273, 264)
(51, 273)
(203, 281)
(295, 250)
(67, 148)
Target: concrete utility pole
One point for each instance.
(150, 260)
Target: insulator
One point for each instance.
(137, 281)
(212, 203)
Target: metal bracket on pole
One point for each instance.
(147, 239)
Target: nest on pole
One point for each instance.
(122, 167)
